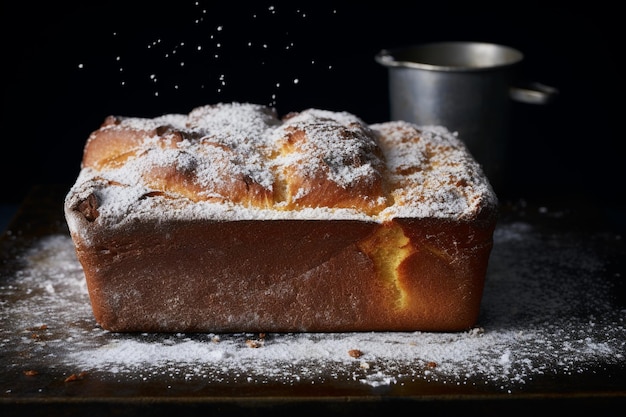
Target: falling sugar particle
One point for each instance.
(179, 47)
(81, 66)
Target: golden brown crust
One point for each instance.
(315, 187)
(283, 276)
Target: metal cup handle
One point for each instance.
(533, 93)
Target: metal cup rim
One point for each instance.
(399, 57)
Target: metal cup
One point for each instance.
(465, 86)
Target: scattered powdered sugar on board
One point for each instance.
(547, 311)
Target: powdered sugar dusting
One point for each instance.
(439, 176)
(548, 311)
(236, 158)
(330, 146)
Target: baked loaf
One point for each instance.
(231, 219)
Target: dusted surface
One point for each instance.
(551, 331)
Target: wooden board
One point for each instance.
(552, 334)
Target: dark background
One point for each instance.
(67, 66)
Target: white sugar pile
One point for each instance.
(547, 310)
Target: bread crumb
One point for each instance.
(254, 343)
(75, 377)
(355, 353)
